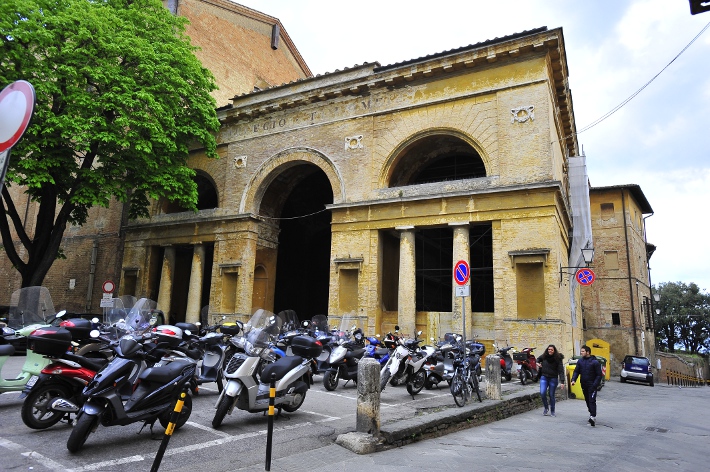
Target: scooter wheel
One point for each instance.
(222, 409)
(330, 380)
(35, 409)
(80, 432)
(184, 415)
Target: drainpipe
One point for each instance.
(650, 290)
(628, 268)
(92, 273)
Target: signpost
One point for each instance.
(462, 273)
(17, 102)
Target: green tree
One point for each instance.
(684, 317)
(121, 98)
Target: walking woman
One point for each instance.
(552, 368)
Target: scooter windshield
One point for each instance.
(30, 306)
(319, 325)
(138, 319)
(349, 325)
(262, 329)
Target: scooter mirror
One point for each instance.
(419, 333)
(396, 327)
(377, 335)
(94, 333)
(94, 320)
(188, 332)
(60, 314)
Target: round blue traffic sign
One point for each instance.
(461, 272)
(585, 276)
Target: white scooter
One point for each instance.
(249, 371)
(407, 364)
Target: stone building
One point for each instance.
(245, 50)
(618, 306)
(355, 193)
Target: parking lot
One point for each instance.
(241, 438)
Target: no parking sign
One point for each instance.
(585, 276)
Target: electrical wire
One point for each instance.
(292, 217)
(620, 105)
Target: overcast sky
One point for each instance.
(660, 140)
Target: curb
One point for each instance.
(445, 420)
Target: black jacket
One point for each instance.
(551, 367)
(590, 370)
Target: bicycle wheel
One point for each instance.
(476, 387)
(458, 389)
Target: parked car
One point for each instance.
(638, 369)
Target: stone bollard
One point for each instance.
(368, 397)
(493, 390)
(367, 419)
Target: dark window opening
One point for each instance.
(481, 263)
(615, 319)
(434, 272)
(436, 158)
(206, 197)
(456, 167)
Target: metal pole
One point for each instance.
(270, 431)
(169, 430)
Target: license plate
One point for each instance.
(33, 380)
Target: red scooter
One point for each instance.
(527, 365)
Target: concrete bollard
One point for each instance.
(493, 390)
(368, 397)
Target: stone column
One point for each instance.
(368, 397)
(461, 252)
(194, 295)
(407, 293)
(165, 292)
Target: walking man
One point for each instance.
(590, 370)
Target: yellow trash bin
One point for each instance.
(575, 391)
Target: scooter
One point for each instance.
(213, 352)
(527, 365)
(407, 364)
(506, 362)
(373, 349)
(65, 377)
(23, 319)
(112, 397)
(440, 366)
(345, 358)
(250, 372)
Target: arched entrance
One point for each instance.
(296, 198)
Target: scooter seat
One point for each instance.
(7, 350)
(280, 368)
(163, 374)
(93, 364)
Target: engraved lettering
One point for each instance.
(256, 128)
(282, 122)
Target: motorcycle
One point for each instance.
(345, 358)
(407, 365)
(112, 397)
(249, 372)
(23, 318)
(506, 362)
(527, 365)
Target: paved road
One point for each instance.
(639, 428)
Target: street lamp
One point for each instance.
(587, 255)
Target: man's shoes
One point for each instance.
(552, 413)
(592, 420)
(544, 413)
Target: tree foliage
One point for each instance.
(121, 98)
(684, 318)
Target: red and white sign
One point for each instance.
(585, 276)
(108, 287)
(462, 272)
(17, 102)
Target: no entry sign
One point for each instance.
(17, 102)
(462, 272)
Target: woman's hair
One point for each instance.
(556, 355)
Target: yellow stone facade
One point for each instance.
(336, 181)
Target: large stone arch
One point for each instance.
(281, 162)
(394, 158)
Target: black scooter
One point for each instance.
(344, 360)
(110, 398)
(506, 362)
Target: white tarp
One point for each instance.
(581, 221)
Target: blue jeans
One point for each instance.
(551, 383)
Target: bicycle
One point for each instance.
(465, 381)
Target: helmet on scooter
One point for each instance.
(172, 335)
